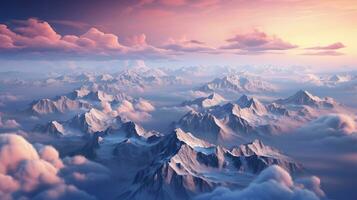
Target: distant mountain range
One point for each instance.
(239, 83)
(248, 117)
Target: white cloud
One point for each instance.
(331, 125)
(273, 183)
(135, 111)
(8, 123)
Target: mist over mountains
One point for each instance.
(159, 133)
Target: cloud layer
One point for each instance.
(34, 38)
(271, 184)
(332, 125)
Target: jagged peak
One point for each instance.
(189, 139)
(243, 99)
(301, 97)
(256, 147)
(304, 93)
(229, 107)
(133, 129)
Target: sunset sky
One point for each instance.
(318, 33)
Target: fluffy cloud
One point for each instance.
(37, 172)
(8, 123)
(332, 125)
(272, 183)
(137, 40)
(257, 41)
(35, 36)
(144, 105)
(137, 111)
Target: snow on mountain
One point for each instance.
(205, 102)
(331, 81)
(61, 104)
(93, 121)
(70, 78)
(278, 109)
(97, 95)
(133, 130)
(253, 104)
(184, 166)
(231, 121)
(238, 83)
(248, 117)
(303, 97)
(105, 77)
(143, 77)
(205, 126)
(79, 93)
(84, 124)
(53, 128)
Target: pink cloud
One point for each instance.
(33, 28)
(37, 172)
(176, 3)
(35, 36)
(102, 40)
(323, 53)
(185, 45)
(334, 46)
(257, 41)
(173, 2)
(137, 40)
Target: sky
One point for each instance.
(67, 34)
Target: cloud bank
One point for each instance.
(271, 184)
(34, 36)
(336, 125)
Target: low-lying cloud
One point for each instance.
(271, 184)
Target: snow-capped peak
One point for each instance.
(189, 139)
(302, 97)
(205, 102)
(238, 83)
(252, 103)
(255, 147)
